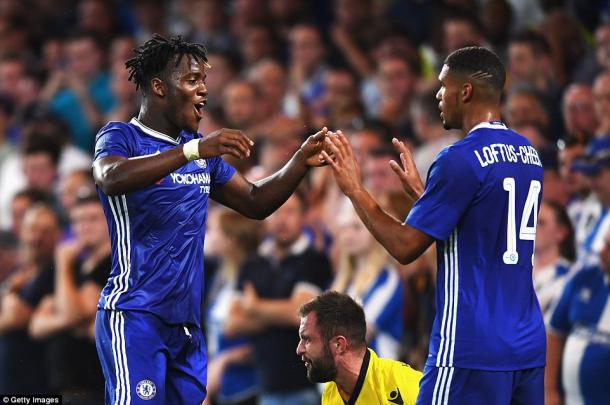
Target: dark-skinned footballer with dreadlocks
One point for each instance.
(154, 176)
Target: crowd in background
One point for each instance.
(280, 70)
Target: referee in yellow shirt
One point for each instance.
(333, 347)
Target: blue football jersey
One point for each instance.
(481, 204)
(157, 233)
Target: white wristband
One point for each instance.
(191, 150)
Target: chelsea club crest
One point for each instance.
(146, 389)
(201, 163)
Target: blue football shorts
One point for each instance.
(457, 386)
(146, 361)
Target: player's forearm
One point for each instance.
(269, 194)
(388, 231)
(120, 176)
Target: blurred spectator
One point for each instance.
(497, 20)
(149, 17)
(79, 92)
(72, 187)
(12, 70)
(461, 28)
(271, 81)
(258, 42)
(339, 105)
(396, 77)
(579, 116)
(599, 60)
(208, 19)
(124, 93)
(288, 274)
(377, 174)
(365, 272)
(307, 68)
(601, 102)
(348, 35)
(99, 18)
(554, 251)
(6, 146)
(239, 103)
(8, 254)
(531, 65)
(44, 132)
(20, 358)
(429, 131)
(35, 167)
(565, 36)
(523, 106)
(224, 68)
(577, 184)
(66, 315)
(286, 14)
(594, 222)
(231, 238)
(578, 338)
(22, 201)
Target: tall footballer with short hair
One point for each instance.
(480, 206)
(154, 176)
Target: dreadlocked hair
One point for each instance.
(152, 57)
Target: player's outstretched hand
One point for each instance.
(312, 147)
(407, 173)
(225, 142)
(338, 154)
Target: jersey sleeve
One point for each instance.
(113, 141)
(221, 172)
(560, 322)
(452, 184)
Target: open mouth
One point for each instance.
(199, 108)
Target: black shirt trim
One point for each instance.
(361, 377)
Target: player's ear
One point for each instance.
(339, 344)
(466, 93)
(157, 87)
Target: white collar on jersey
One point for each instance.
(152, 132)
(490, 125)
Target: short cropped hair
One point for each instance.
(476, 61)
(337, 314)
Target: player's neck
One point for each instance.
(482, 112)
(348, 372)
(156, 120)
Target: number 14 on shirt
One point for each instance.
(526, 232)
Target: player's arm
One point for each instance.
(258, 200)
(402, 241)
(119, 175)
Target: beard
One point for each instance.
(323, 369)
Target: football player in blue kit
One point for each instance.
(154, 176)
(480, 205)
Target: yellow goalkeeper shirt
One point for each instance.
(381, 381)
